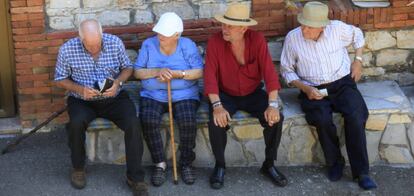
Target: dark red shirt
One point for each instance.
(222, 72)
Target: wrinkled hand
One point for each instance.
(272, 115)
(356, 70)
(221, 116)
(111, 92)
(165, 74)
(89, 93)
(313, 93)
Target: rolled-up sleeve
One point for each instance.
(62, 70)
(288, 62)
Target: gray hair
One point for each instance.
(82, 24)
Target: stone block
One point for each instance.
(256, 149)
(405, 39)
(373, 142)
(399, 119)
(183, 9)
(60, 23)
(392, 57)
(248, 132)
(394, 154)
(366, 57)
(395, 134)
(64, 3)
(97, 3)
(376, 122)
(300, 150)
(132, 55)
(373, 71)
(410, 136)
(81, 17)
(275, 49)
(114, 18)
(129, 3)
(234, 153)
(403, 79)
(204, 155)
(111, 147)
(211, 9)
(143, 17)
(90, 145)
(372, 43)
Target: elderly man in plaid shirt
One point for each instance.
(82, 62)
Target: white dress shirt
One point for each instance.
(322, 61)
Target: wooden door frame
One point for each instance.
(8, 72)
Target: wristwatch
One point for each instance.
(359, 58)
(182, 73)
(274, 104)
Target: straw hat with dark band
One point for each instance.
(237, 15)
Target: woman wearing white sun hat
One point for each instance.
(168, 56)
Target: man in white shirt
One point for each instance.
(315, 60)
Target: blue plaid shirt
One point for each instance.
(74, 62)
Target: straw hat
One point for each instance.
(237, 15)
(315, 14)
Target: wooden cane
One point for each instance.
(410, 4)
(172, 131)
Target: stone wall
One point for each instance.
(66, 14)
(389, 132)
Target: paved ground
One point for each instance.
(40, 166)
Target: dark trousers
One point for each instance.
(256, 104)
(119, 110)
(184, 113)
(345, 98)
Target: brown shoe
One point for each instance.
(78, 178)
(138, 188)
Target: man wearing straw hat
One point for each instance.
(315, 60)
(237, 60)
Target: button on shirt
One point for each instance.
(185, 57)
(74, 62)
(224, 73)
(322, 61)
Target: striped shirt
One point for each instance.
(74, 62)
(322, 61)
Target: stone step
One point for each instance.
(10, 127)
(409, 92)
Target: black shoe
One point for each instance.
(158, 176)
(138, 188)
(365, 182)
(275, 175)
(78, 178)
(335, 172)
(188, 174)
(217, 178)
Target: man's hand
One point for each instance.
(272, 115)
(356, 70)
(221, 116)
(313, 93)
(89, 93)
(111, 92)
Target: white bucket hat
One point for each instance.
(168, 24)
(315, 14)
